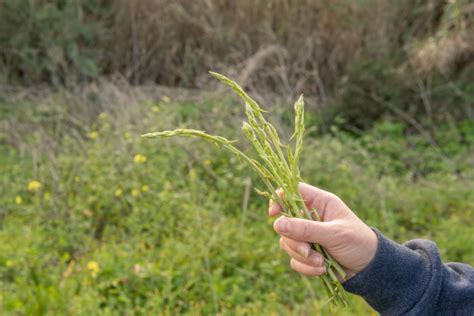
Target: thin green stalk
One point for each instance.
(221, 141)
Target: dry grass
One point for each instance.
(289, 46)
(338, 53)
(279, 43)
(444, 53)
(452, 45)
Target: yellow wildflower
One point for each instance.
(166, 99)
(34, 185)
(93, 267)
(102, 116)
(93, 135)
(192, 175)
(139, 158)
(145, 188)
(207, 162)
(135, 192)
(18, 200)
(118, 193)
(47, 196)
(155, 109)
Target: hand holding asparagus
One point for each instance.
(277, 167)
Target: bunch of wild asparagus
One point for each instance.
(277, 167)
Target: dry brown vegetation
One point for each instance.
(279, 43)
(349, 56)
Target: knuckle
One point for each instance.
(333, 198)
(305, 230)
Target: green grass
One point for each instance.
(198, 241)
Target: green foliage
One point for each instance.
(51, 41)
(116, 226)
(382, 88)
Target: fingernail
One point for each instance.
(303, 250)
(283, 225)
(315, 259)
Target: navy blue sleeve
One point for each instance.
(410, 279)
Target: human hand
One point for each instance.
(349, 240)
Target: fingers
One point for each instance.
(314, 199)
(301, 252)
(306, 269)
(304, 230)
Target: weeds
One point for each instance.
(278, 168)
(154, 251)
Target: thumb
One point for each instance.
(304, 230)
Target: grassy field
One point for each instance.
(97, 221)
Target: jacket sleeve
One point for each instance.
(410, 279)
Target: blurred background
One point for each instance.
(95, 220)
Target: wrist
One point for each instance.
(368, 250)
